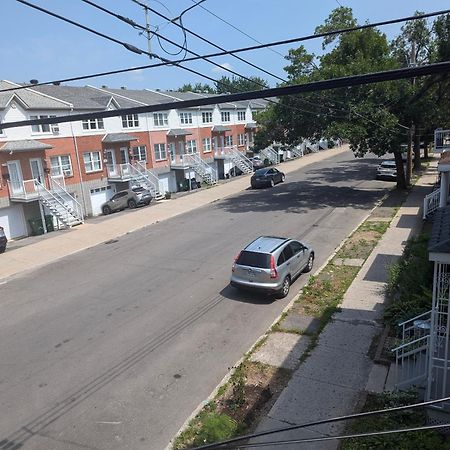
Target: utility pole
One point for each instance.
(147, 30)
(412, 63)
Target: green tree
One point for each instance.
(227, 85)
(197, 87)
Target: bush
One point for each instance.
(215, 427)
(410, 283)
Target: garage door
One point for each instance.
(12, 220)
(100, 196)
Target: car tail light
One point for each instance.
(233, 267)
(273, 270)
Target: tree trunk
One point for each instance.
(417, 161)
(401, 181)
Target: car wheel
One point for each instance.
(131, 204)
(284, 291)
(2, 249)
(310, 264)
(106, 210)
(253, 186)
(272, 183)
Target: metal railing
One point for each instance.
(431, 203)
(58, 189)
(152, 178)
(120, 171)
(208, 173)
(271, 155)
(412, 355)
(23, 189)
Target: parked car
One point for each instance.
(3, 240)
(269, 176)
(129, 198)
(257, 162)
(387, 170)
(270, 264)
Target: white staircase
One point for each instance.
(149, 180)
(205, 171)
(431, 203)
(314, 148)
(270, 154)
(240, 160)
(412, 355)
(297, 151)
(60, 203)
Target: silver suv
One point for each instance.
(270, 264)
(129, 198)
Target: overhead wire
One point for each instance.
(335, 83)
(211, 55)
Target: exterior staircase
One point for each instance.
(205, 171)
(60, 203)
(297, 151)
(270, 154)
(240, 160)
(147, 179)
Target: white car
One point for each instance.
(387, 170)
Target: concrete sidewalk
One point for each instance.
(331, 381)
(57, 245)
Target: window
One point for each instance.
(92, 161)
(185, 118)
(61, 165)
(44, 128)
(206, 145)
(206, 117)
(93, 124)
(140, 153)
(130, 121)
(191, 146)
(241, 139)
(241, 115)
(225, 116)
(160, 119)
(160, 151)
(296, 247)
(228, 141)
(287, 253)
(254, 259)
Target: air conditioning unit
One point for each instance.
(55, 128)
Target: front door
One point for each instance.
(171, 146)
(124, 158)
(15, 177)
(37, 171)
(182, 148)
(111, 163)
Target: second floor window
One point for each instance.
(93, 124)
(92, 162)
(185, 118)
(140, 153)
(61, 165)
(44, 128)
(206, 145)
(160, 119)
(241, 115)
(191, 146)
(160, 152)
(228, 141)
(130, 121)
(206, 117)
(225, 116)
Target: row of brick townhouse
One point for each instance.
(69, 170)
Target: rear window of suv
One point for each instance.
(254, 259)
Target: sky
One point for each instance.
(37, 46)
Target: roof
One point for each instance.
(266, 244)
(118, 137)
(219, 129)
(24, 146)
(250, 125)
(440, 234)
(178, 132)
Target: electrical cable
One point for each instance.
(211, 55)
(349, 81)
(219, 445)
(329, 438)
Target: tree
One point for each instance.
(197, 87)
(227, 85)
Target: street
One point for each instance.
(114, 347)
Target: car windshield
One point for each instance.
(261, 172)
(254, 259)
(139, 189)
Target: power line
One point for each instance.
(211, 55)
(219, 445)
(329, 438)
(237, 29)
(350, 81)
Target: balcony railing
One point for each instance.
(24, 189)
(431, 203)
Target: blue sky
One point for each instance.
(37, 46)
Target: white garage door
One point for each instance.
(100, 196)
(12, 220)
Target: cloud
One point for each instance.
(223, 68)
(138, 75)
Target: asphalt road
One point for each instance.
(113, 348)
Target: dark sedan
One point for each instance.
(3, 240)
(269, 176)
